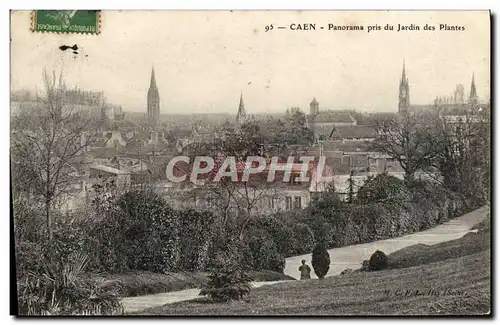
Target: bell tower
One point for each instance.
(153, 100)
(404, 92)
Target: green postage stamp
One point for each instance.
(66, 21)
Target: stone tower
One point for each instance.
(153, 101)
(404, 92)
(314, 107)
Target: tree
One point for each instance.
(46, 145)
(320, 260)
(383, 188)
(292, 130)
(241, 196)
(227, 280)
(405, 139)
(350, 188)
(462, 151)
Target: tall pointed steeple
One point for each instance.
(473, 99)
(404, 92)
(403, 76)
(241, 116)
(152, 84)
(153, 100)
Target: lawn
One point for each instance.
(423, 254)
(453, 286)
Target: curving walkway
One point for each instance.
(352, 256)
(135, 304)
(341, 258)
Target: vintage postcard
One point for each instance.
(251, 162)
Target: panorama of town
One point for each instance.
(109, 221)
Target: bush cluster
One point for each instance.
(61, 288)
(227, 280)
(133, 231)
(378, 261)
(380, 213)
(139, 231)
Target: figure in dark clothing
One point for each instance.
(305, 271)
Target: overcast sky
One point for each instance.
(204, 59)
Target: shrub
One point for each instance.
(385, 222)
(260, 246)
(280, 233)
(365, 266)
(150, 231)
(227, 280)
(269, 258)
(384, 188)
(304, 237)
(136, 230)
(378, 261)
(325, 234)
(193, 248)
(346, 232)
(320, 260)
(61, 289)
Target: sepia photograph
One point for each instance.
(250, 163)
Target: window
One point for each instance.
(270, 203)
(298, 203)
(288, 203)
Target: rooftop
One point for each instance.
(334, 117)
(108, 169)
(345, 132)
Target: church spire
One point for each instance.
(404, 91)
(152, 84)
(473, 99)
(241, 110)
(403, 76)
(153, 101)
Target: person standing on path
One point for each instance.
(305, 271)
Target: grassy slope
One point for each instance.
(363, 293)
(464, 265)
(144, 283)
(422, 254)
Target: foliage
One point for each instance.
(383, 188)
(351, 184)
(46, 142)
(139, 231)
(29, 234)
(289, 131)
(280, 232)
(462, 153)
(261, 247)
(61, 289)
(419, 205)
(269, 258)
(378, 261)
(193, 248)
(325, 234)
(305, 238)
(227, 280)
(405, 140)
(320, 260)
